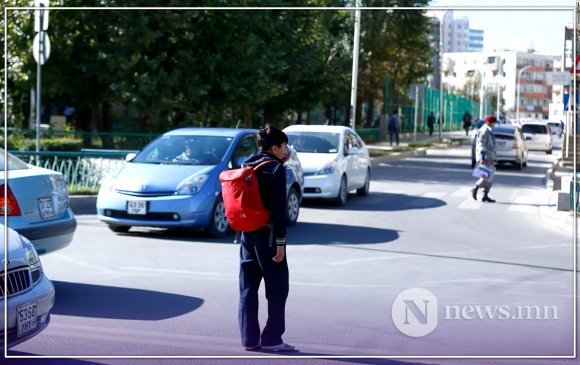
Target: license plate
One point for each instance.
(46, 208)
(26, 318)
(138, 207)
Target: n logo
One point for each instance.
(414, 312)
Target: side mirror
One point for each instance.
(352, 151)
(130, 156)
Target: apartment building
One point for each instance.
(499, 73)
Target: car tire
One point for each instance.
(364, 191)
(549, 152)
(292, 207)
(218, 225)
(342, 196)
(118, 228)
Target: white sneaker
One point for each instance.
(281, 347)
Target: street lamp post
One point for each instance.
(441, 93)
(518, 91)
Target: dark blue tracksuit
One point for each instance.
(256, 253)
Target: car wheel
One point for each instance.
(549, 152)
(342, 192)
(292, 207)
(365, 189)
(218, 225)
(119, 229)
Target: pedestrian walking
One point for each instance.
(263, 251)
(485, 155)
(394, 127)
(466, 122)
(431, 123)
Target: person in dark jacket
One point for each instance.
(263, 251)
(485, 155)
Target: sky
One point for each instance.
(518, 30)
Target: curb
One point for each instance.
(420, 151)
(399, 155)
(83, 204)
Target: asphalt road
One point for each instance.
(155, 293)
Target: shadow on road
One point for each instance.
(38, 360)
(98, 301)
(383, 202)
(305, 233)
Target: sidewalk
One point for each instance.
(558, 188)
(410, 146)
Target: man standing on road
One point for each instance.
(263, 251)
(485, 156)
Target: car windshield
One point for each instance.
(186, 150)
(534, 128)
(314, 142)
(13, 163)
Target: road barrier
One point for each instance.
(84, 171)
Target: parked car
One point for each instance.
(509, 144)
(538, 136)
(334, 158)
(173, 182)
(30, 294)
(37, 204)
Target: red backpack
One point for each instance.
(242, 202)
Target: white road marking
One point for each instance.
(434, 194)
(469, 203)
(523, 204)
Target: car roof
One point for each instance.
(508, 129)
(316, 128)
(218, 132)
(535, 123)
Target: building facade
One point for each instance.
(493, 74)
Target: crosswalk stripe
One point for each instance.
(461, 192)
(434, 194)
(469, 204)
(522, 204)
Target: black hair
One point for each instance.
(396, 111)
(270, 136)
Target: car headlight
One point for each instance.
(192, 185)
(327, 169)
(30, 252)
(107, 184)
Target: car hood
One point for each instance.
(16, 254)
(148, 178)
(312, 162)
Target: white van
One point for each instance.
(538, 136)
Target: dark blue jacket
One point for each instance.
(272, 183)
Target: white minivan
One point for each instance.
(538, 136)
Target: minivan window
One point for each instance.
(534, 128)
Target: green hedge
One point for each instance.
(18, 142)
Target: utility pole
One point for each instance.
(355, 53)
(41, 52)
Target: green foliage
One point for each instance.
(161, 69)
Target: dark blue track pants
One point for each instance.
(256, 263)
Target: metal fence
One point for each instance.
(84, 170)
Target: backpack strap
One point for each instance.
(262, 164)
